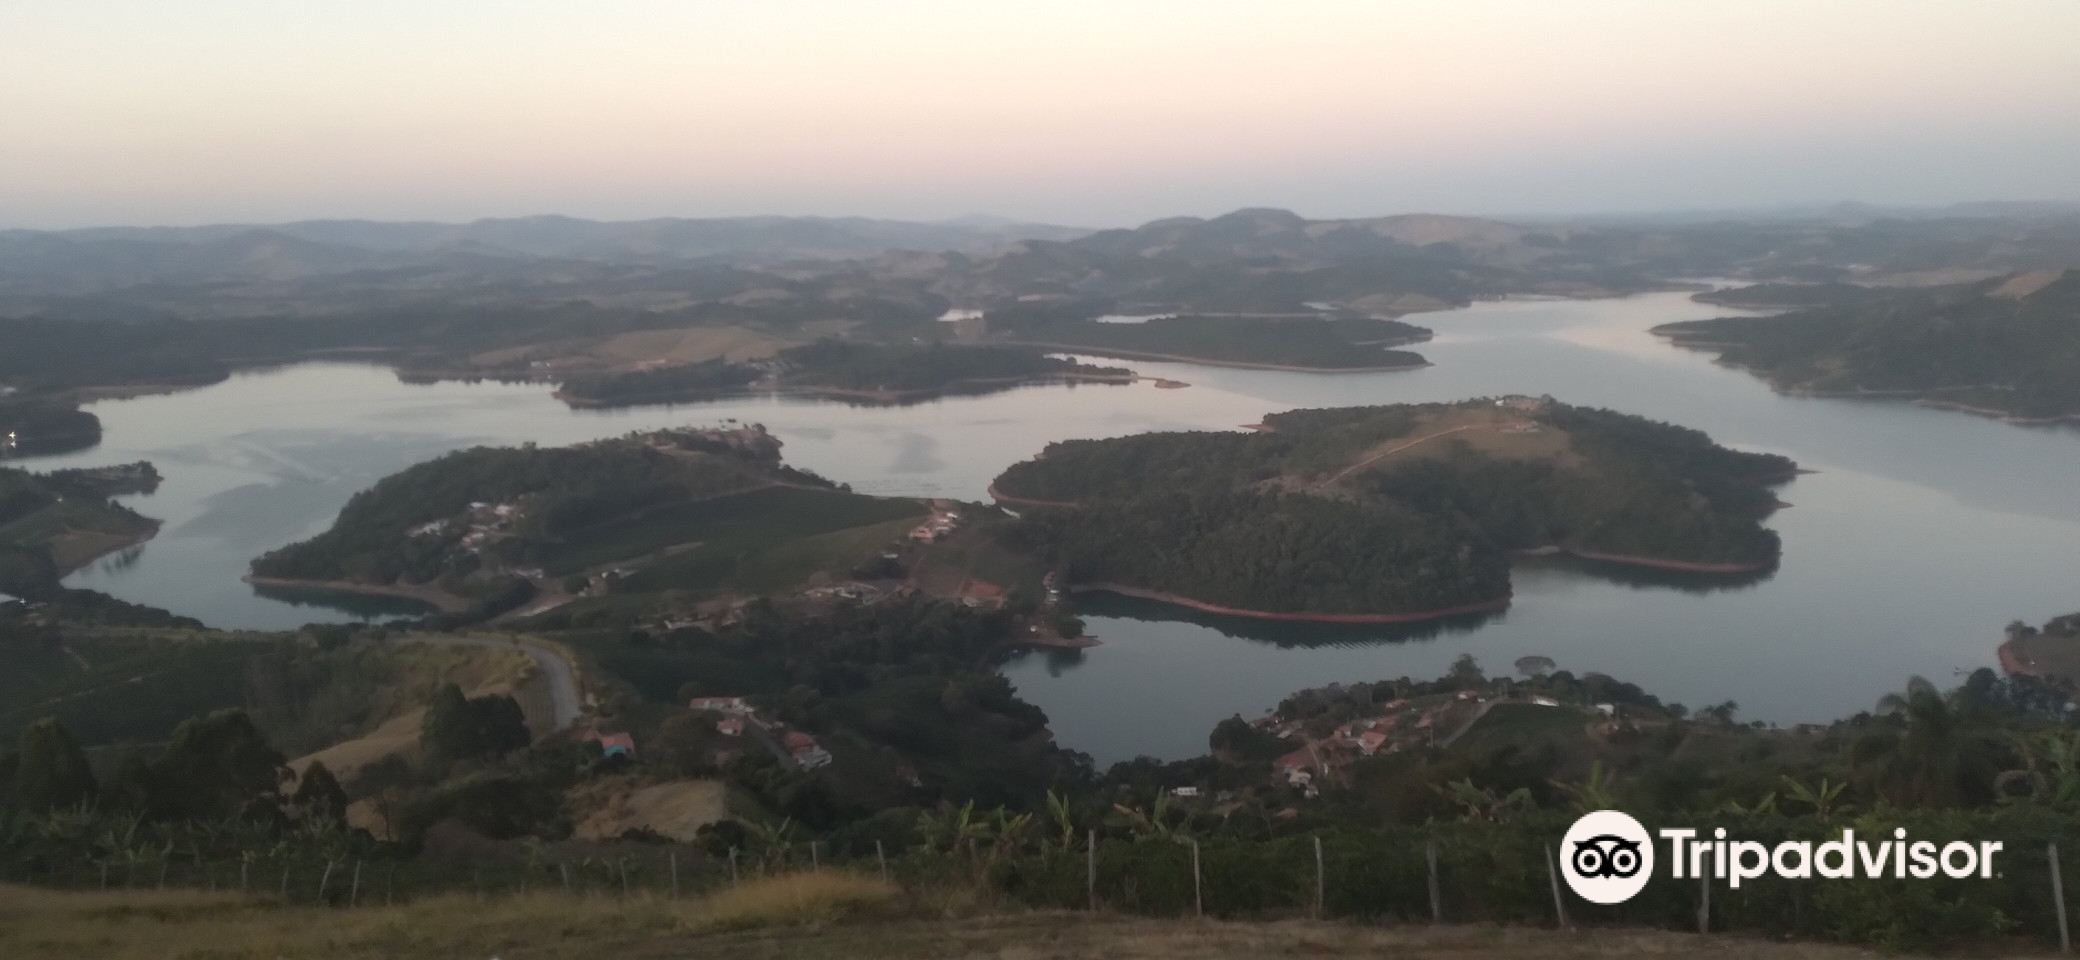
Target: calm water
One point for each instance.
(1920, 536)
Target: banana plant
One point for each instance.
(1823, 798)
(1597, 791)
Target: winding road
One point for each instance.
(565, 702)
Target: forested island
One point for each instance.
(842, 369)
(1348, 344)
(901, 371)
(63, 520)
(38, 428)
(2005, 347)
(484, 530)
(1390, 513)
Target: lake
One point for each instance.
(1920, 535)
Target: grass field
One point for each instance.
(1524, 725)
(822, 916)
(766, 535)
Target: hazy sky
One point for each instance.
(1093, 113)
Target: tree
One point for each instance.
(462, 728)
(1534, 666)
(217, 766)
(51, 771)
(319, 794)
(1938, 760)
(1466, 671)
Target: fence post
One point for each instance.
(1430, 855)
(1553, 877)
(245, 876)
(104, 875)
(565, 870)
(882, 859)
(285, 883)
(1090, 868)
(1198, 899)
(323, 882)
(1704, 903)
(354, 897)
(2058, 899)
(622, 865)
(1321, 889)
(733, 866)
(815, 861)
(672, 857)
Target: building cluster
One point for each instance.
(943, 521)
(1396, 725)
(739, 718)
(746, 438)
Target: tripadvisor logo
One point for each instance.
(1607, 857)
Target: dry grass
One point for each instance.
(479, 671)
(132, 925)
(607, 808)
(822, 916)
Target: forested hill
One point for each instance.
(1314, 343)
(1391, 510)
(2007, 347)
(453, 515)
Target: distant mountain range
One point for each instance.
(1255, 260)
(114, 257)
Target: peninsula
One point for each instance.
(2005, 348)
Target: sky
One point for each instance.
(1069, 111)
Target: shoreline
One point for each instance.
(1652, 563)
(117, 543)
(955, 388)
(1417, 616)
(1087, 350)
(440, 600)
(1003, 498)
(1919, 397)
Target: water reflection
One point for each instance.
(1279, 633)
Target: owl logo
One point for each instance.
(1606, 857)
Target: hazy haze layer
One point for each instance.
(1078, 112)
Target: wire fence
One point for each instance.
(1480, 873)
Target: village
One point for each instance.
(1321, 756)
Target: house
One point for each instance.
(10, 602)
(1545, 701)
(807, 753)
(615, 745)
(1184, 791)
(1607, 709)
(1294, 766)
(730, 705)
(1370, 741)
(730, 726)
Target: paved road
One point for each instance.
(564, 701)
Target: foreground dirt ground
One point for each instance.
(825, 917)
